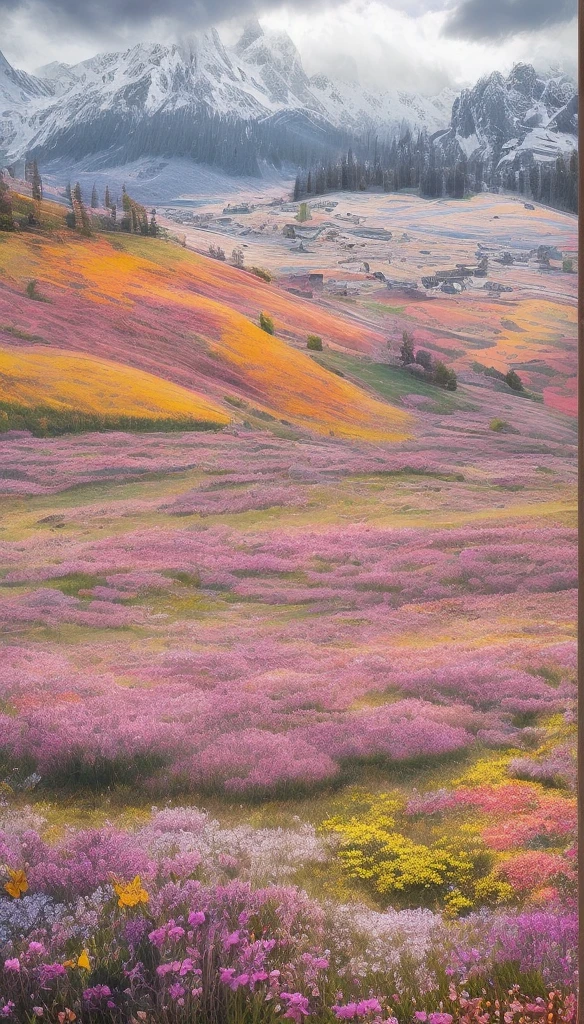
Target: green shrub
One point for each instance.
(261, 273)
(33, 292)
(266, 323)
(424, 359)
(497, 425)
(406, 352)
(513, 380)
(568, 266)
(444, 377)
(314, 343)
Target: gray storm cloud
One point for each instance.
(478, 20)
(470, 19)
(100, 16)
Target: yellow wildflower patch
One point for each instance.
(63, 381)
(130, 894)
(18, 883)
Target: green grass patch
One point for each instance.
(390, 382)
(16, 332)
(76, 581)
(44, 421)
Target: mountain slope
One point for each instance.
(167, 94)
(236, 107)
(520, 119)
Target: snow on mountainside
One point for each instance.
(261, 77)
(518, 119)
(234, 107)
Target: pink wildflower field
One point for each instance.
(287, 718)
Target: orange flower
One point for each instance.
(131, 894)
(18, 883)
(81, 961)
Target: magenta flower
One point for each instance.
(36, 948)
(352, 1011)
(12, 965)
(297, 1006)
(157, 937)
(196, 917)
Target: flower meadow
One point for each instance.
(287, 710)
(394, 842)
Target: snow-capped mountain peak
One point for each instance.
(158, 100)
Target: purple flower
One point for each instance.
(196, 917)
(12, 965)
(354, 1010)
(231, 940)
(176, 991)
(93, 996)
(48, 973)
(297, 1006)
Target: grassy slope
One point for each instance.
(54, 385)
(152, 305)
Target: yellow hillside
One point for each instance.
(66, 382)
(109, 301)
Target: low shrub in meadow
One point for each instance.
(314, 343)
(267, 323)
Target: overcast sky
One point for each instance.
(422, 45)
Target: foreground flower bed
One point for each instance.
(179, 950)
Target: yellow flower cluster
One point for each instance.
(449, 871)
(18, 883)
(130, 894)
(81, 961)
(488, 771)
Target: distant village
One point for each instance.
(300, 236)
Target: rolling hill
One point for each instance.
(154, 307)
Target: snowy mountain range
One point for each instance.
(229, 107)
(515, 120)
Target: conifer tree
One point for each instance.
(37, 182)
(406, 352)
(6, 221)
(94, 198)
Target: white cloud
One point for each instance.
(382, 43)
(401, 49)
